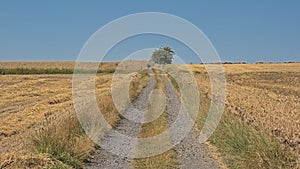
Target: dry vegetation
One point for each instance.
(38, 124)
(50, 65)
(23, 68)
(138, 82)
(167, 159)
(262, 105)
(37, 110)
(27, 104)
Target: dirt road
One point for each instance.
(190, 153)
(106, 159)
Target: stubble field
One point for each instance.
(263, 96)
(37, 107)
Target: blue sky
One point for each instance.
(251, 31)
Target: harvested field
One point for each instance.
(50, 65)
(265, 96)
(31, 103)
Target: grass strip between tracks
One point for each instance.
(167, 159)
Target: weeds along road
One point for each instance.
(188, 154)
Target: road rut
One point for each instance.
(190, 153)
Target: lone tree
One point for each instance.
(163, 55)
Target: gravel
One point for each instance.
(105, 159)
(191, 154)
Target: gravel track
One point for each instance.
(106, 160)
(191, 154)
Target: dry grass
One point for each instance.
(167, 159)
(26, 161)
(25, 104)
(38, 124)
(267, 107)
(62, 139)
(27, 68)
(51, 65)
(260, 126)
(138, 83)
(265, 96)
(244, 68)
(241, 146)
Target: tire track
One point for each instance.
(105, 159)
(191, 154)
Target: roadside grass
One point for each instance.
(240, 146)
(63, 142)
(27, 71)
(140, 81)
(62, 138)
(167, 159)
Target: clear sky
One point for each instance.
(241, 30)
